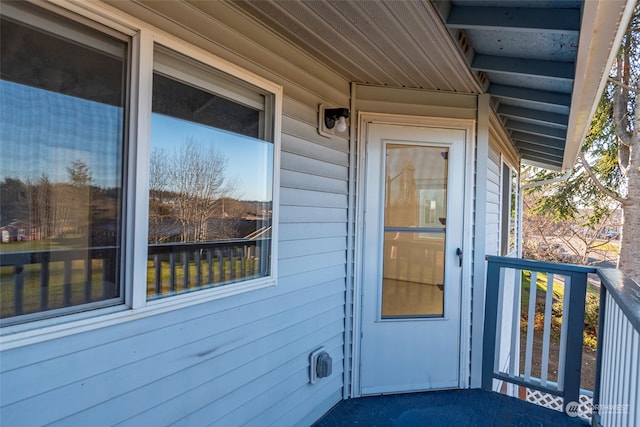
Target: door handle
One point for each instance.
(459, 253)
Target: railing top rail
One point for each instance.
(540, 266)
(624, 291)
(53, 255)
(157, 248)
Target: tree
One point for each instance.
(608, 167)
(76, 200)
(15, 200)
(579, 240)
(187, 184)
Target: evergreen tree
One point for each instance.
(607, 172)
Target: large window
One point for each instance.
(68, 217)
(62, 126)
(211, 182)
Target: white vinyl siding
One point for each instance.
(238, 360)
(493, 204)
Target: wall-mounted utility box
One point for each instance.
(320, 365)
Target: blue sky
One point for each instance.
(249, 160)
(42, 132)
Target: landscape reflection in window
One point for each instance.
(210, 189)
(61, 180)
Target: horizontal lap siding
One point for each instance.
(493, 204)
(238, 360)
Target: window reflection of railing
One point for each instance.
(46, 280)
(182, 267)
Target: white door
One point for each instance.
(413, 234)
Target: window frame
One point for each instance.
(135, 223)
(508, 194)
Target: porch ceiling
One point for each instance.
(530, 55)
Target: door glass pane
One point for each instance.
(414, 238)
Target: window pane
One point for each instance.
(415, 229)
(211, 180)
(413, 275)
(61, 166)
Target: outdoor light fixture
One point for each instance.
(331, 120)
(333, 115)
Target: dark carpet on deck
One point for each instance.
(444, 408)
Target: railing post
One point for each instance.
(490, 322)
(575, 328)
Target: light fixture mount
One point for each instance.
(332, 120)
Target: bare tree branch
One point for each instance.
(622, 85)
(597, 182)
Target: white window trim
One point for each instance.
(512, 169)
(135, 222)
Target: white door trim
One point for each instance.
(467, 125)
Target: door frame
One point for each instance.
(468, 125)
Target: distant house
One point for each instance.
(382, 140)
(18, 231)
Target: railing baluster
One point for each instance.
(627, 341)
(500, 307)
(243, 262)
(563, 331)
(185, 270)
(515, 323)
(88, 264)
(172, 271)
(617, 392)
(209, 267)
(198, 262)
(18, 290)
(44, 282)
(220, 265)
(232, 264)
(108, 274)
(546, 335)
(67, 283)
(533, 289)
(607, 337)
(602, 313)
(157, 266)
(634, 378)
(615, 368)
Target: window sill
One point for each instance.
(38, 331)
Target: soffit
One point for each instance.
(395, 43)
(528, 52)
(530, 55)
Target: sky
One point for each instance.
(248, 159)
(42, 132)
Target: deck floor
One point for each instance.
(444, 408)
